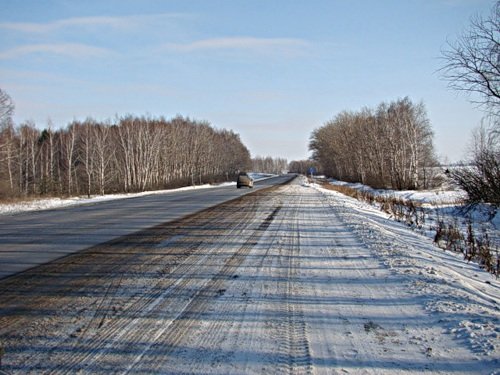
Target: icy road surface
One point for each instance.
(32, 238)
(289, 280)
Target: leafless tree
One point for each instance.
(472, 63)
(481, 177)
(411, 139)
(131, 154)
(8, 159)
(389, 147)
(85, 151)
(104, 155)
(28, 156)
(6, 140)
(68, 140)
(269, 164)
(6, 107)
(45, 149)
(303, 166)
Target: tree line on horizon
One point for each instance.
(268, 164)
(131, 154)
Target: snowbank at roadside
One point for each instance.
(51, 203)
(446, 201)
(443, 212)
(463, 298)
(435, 196)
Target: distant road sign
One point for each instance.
(312, 170)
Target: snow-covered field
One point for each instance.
(297, 280)
(439, 196)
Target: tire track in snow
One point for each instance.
(398, 250)
(99, 340)
(94, 343)
(134, 330)
(295, 356)
(169, 340)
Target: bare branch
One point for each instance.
(6, 107)
(472, 63)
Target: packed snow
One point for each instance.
(461, 297)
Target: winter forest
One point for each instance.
(128, 155)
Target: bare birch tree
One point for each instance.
(6, 139)
(131, 154)
(6, 108)
(104, 155)
(68, 140)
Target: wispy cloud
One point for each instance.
(462, 2)
(73, 50)
(38, 28)
(241, 43)
(111, 22)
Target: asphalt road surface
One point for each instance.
(34, 238)
(287, 280)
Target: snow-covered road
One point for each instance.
(293, 280)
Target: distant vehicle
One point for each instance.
(244, 180)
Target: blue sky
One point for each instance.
(271, 70)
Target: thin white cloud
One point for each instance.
(241, 43)
(111, 22)
(463, 2)
(39, 28)
(73, 50)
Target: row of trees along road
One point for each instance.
(133, 154)
(387, 147)
(269, 164)
(305, 167)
